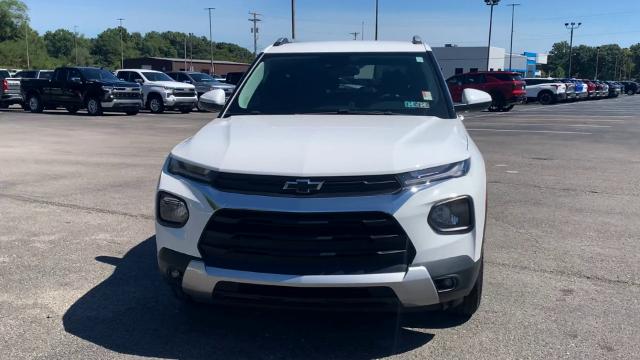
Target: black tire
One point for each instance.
(34, 103)
(471, 303)
(155, 104)
(94, 107)
(72, 109)
(132, 112)
(545, 98)
(507, 108)
(630, 92)
(497, 102)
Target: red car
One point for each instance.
(506, 88)
(591, 88)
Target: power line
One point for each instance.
(254, 30)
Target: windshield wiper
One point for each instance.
(353, 112)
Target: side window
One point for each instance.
(133, 76)
(61, 75)
(454, 80)
(73, 73)
(475, 79)
(123, 75)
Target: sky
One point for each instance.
(538, 23)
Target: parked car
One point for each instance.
(582, 91)
(10, 93)
(302, 191)
(234, 78)
(631, 87)
(570, 88)
(506, 88)
(34, 74)
(159, 91)
(545, 91)
(591, 88)
(615, 89)
(75, 88)
(202, 82)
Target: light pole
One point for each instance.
(571, 26)
(376, 33)
(597, 58)
(513, 13)
(121, 45)
(355, 35)
(491, 3)
(75, 41)
(210, 36)
(293, 19)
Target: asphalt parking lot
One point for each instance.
(78, 277)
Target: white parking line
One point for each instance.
(548, 124)
(533, 131)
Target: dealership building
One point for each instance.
(177, 64)
(455, 59)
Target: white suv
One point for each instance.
(545, 91)
(160, 91)
(338, 173)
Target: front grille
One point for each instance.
(184, 93)
(364, 298)
(330, 186)
(126, 95)
(305, 243)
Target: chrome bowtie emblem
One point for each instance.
(303, 186)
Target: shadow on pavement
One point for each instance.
(134, 312)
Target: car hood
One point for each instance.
(118, 83)
(325, 145)
(170, 84)
(217, 85)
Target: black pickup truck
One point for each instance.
(75, 88)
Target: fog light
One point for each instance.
(454, 216)
(172, 211)
(445, 284)
(175, 274)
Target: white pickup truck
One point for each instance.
(545, 91)
(9, 90)
(159, 91)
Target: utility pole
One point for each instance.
(513, 13)
(75, 41)
(26, 40)
(571, 26)
(121, 45)
(355, 35)
(362, 32)
(254, 31)
(597, 58)
(491, 3)
(293, 19)
(185, 52)
(191, 51)
(376, 33)
(210, 37)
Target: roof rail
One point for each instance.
(281, 41)
(416, 39)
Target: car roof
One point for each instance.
(346, 47)
(145, 70)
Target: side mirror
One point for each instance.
(212, 100)
(139, 81)
(474, 100)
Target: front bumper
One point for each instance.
(122, 105)
(437, 256)
(177, 101)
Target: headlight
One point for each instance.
(453, 216)
(434, 174)
(171, 210)
(107, 88)
(169, 90)
(194, 172)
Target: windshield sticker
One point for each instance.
(419, 59)
(426, 95)
(416, 104)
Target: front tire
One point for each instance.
(34, 104)
(94, 107)
(545, 98)
(156, 105)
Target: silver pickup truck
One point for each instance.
(10, 92)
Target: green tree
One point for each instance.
(13, 15)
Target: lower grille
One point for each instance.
(184, 94)
(305, 243)
(126, 95)
(359, 297)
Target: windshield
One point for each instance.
(399, 83)
(200, 77)
(98, 74)
(156, 76)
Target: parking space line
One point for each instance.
(532, 131)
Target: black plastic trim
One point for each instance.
(472, 218)
(170, 224)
